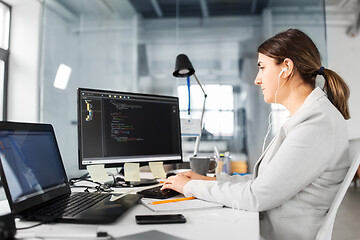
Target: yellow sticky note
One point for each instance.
(157, 169)
(132, 172)
(98, 173)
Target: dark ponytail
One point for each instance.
(337, 91)
(299, 47)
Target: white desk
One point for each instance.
(218, 223)
(224, 223)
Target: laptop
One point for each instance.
(36, 184)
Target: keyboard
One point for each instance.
(157, 193)
(69, 205)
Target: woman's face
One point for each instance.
(268, 77)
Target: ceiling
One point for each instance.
(72, 10)
(197, 8)
(155, 9)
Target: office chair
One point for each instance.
(326, 228)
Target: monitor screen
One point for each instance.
(119, 127)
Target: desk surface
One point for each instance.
(217, 223)
(224, 223)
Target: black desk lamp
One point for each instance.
(184, 68)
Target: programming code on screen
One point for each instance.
(122, 127)
(125, 126)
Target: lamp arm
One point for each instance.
(201, 126)
(200, 84)
(203, 111)
(205, 96)
(202, 117)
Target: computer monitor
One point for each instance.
(120, 127)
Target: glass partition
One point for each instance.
(131, 45)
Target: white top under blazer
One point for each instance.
(295, 179)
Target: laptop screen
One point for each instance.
(31, 162)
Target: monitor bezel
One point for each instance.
(121, 164)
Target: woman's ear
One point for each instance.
(289, 65)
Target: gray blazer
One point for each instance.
(297, 176)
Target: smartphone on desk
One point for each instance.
(160, 219)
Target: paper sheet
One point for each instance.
(132, 172)
(182, 205)
(157, 169)
(98, 173)
(190, 127)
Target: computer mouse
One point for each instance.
(170, 174)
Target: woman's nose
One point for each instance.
(257, 81)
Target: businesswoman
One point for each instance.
(298, 174)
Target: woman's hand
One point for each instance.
(176, 183)
(195, 176)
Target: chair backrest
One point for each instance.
(326, 228)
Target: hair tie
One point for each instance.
(320, 71)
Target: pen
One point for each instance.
(216, 152)
(172, 200)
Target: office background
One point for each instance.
(132, 45)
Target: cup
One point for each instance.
(200, 165)
(223, 167)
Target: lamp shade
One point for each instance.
(183, 66)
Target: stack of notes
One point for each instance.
(176, 204)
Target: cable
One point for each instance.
(99, 188)
(188, 85)
(35, 225)
(269, 117)
(84, 177)
(98, 234)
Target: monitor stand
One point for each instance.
(143, 182)
(120, 182)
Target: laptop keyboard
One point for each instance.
(157, 193)
(70, 205)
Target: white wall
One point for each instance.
(23, 91)
(343, 57)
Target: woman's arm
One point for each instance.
(195, 176)
(302, 157)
